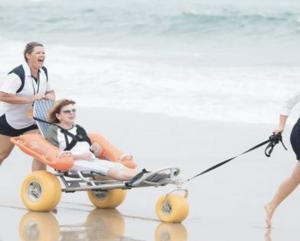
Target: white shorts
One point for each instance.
(97, 165)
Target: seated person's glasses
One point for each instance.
(69, 111)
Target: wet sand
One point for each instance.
(226, 204)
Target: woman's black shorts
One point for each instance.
(295, 139)
(7, 130)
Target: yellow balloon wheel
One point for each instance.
(172, 208)
(107, 199)
(171, 232)
(39, 226)
(40, 191)
(105, 224)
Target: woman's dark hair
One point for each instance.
(57, 109)
(29, 48)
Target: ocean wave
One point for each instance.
(235, 22)
(106, 19)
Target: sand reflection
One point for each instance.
(35, 226)
(104, 225)
(171, 232)
(268, 235)
(100, 225)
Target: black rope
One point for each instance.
(47, 122)
(273, 140)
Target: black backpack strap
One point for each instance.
(81, 135)
(46, 72)
(19, 71)
(65, 132)
(69, 145)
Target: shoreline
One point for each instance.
(229, 199)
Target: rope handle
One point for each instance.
(274, 139)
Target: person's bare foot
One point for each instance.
(269, 213)
(126, 157)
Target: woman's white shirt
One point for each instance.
(16, 114)
(80, 147)
(289, 104)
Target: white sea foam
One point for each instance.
(134, 81)
(228, 62)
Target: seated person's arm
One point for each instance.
(83, 157)
(96, 149)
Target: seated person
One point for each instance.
(73, 140)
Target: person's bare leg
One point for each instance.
(285, 188)
(125, 157)
(37, 165)
(123, 174)
(5, 147)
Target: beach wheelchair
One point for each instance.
(41, 190)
